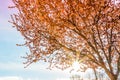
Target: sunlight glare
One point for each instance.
(76, 65)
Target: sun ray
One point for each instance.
(76, 65)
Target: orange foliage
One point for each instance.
(60, 31)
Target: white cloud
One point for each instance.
(11, 78)
(19, 66)
(63, 79)
(16, 78)
(12, 66)
(21, 78)
(37, 67)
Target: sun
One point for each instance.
(76, 65)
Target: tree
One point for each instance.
(62, 31)
(75, 77)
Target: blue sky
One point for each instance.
(11, 67)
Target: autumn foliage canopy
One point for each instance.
(62, 31)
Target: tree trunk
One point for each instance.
(112, 76)
(95, 73)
